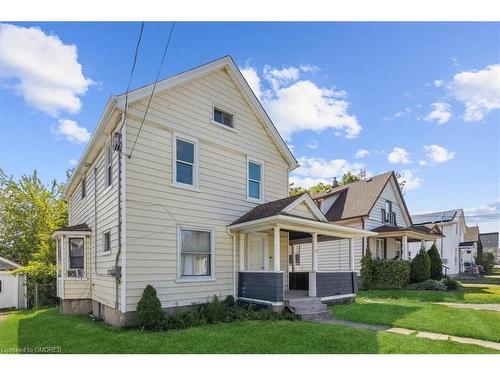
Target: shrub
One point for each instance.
(429, 284)
(451, 284)
(366, 271)
(436, 263)
(420, 267)
(149, 312)
(488, 263)
(229, 301)
(390, 274)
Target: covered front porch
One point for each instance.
(263, 246)
(393, 242)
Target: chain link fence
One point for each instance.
(44, 295)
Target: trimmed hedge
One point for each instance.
(367, 271)
(389, 274)
(149, 312)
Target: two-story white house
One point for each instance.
(191, 198)
(452, 224)
(375, 204)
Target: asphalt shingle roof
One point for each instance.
(266, 209)
(75, 228)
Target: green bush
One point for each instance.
(429, 284)
(420, 267)
(436, 263)
(451, 284)
(389, 274)
(488, 263)
(217, 312)
(149, 312)
(366, 271)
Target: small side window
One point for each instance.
(84, 187)
(109, 165)
(1, 287)
(106, 241)
(223, 118)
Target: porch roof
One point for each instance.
(72, 229)
(299, 224)
(416, 232)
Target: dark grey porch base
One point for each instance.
(335, 283)
(261, 286)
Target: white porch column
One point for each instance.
(293, 258)
(315, 252)
(351, 254)
(276, 249)
(404, 248)
(242, 252)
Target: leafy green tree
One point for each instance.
(29, 212)
(436, 263)
(320, 187)
(479, 256)
(420, 268)
(366, 270)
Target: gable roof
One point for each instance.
(489, 240)
(280, 207)
(472, 234)
(7, 264)
(118, 103)
(435, 217)
(357, 198)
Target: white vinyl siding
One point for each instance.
(375, 217)
(155, 208)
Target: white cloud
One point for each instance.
(404, 112)
(422, 163)
(398, 155)
(73, 162)
(361, 153)
(296, 104)
(479, 91)
(315, 170)
(484, 213)
(72, 131)
(411, 181)
(438, 154)
(42, 69)
(312, 144)
(441, 113)
(438, 83)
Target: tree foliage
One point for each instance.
(149, 311)
(29, 212)
(420, 269)
(320, 187)
(436, 263)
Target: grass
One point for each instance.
(77, 334)
(415, 310)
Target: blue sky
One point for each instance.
(419, 98)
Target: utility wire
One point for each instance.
(154, 87)
(131, 74)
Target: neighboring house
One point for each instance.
(12, 287)
(452, 225)
(375, 204)
(468, 248)
(193, 200)
(490, 244)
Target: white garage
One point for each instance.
(12, 287)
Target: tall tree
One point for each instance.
(29, 212)
(347, 178)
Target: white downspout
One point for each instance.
(234, 261)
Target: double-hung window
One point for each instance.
(76, 254)
(185, 169)
(254, 183)
(196, 253)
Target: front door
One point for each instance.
(258, 252)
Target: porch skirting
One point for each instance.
(336, 283)
(261, 286)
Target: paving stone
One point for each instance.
(401, 331)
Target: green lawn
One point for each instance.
(415, 310)
(77, 334)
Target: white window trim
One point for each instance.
(262, 179)
(65, 271)
(195, 279)
(104, 252)
(229, 112)
(195, 186)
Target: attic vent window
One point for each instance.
(223, 118)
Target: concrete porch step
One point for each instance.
(310, 309)
(316, 316)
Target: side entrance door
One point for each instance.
(258, 252)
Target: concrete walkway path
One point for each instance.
(407, 332)
(473, 306)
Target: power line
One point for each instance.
(131, 74)
(154, 87)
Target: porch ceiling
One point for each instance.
(298, 224)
